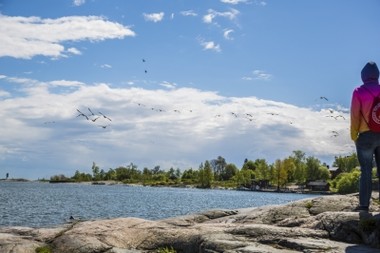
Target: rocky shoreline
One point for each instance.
(320, 224)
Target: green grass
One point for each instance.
(309, 204)
(166, 250)
(43, 249)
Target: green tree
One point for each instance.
(190, 176)
(95, 172)
(290, 168)
(60, 178)
(346, 163)
(81, 177)
(312, 168)
(218, 165)
(102, 174)
(249, 165)
(147, 175)
(229, 171)
(244, 177)
(129, 173)
(173, 174)
(262, 169)
(280, 174)
(324, 173)
(110, 174)
(300, 169)
(205, 175)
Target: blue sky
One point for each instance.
(179, 82)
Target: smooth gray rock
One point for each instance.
(321, 224)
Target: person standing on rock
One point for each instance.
(367, 140)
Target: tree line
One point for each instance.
(296, 169)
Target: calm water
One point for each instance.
(34, 204)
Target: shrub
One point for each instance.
(43, 249)
(309, 204)
(348, 182)
(166, 250)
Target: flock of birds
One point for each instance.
(93, 117)
(246, 116)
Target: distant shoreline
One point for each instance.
(113, 182)
(15, 180)
(108, 183)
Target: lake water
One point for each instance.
(35, 204)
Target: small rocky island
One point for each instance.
(320, 224)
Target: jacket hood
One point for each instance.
(370, 72)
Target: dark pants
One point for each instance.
(367, 146)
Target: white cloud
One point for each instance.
(189, 13)
(73, 50)
(26, 37)
(212, 14)
(210, 45)
(4, 93)
(261, 3)
(168, 85)
(258, 75)
(154, 17)
(261, 75)
(167, 127)
(79, 2)
(105, 66)
(66, 83)
(227, 34)
(234, 2)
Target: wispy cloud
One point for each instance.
(154, 17)
(227, 34)
(189, 13)
(168, 85)
(212, 14)
(79, 2)
(105, 66)
(66, 83)
(234, 2)
(210, 45)
(73, 50)
(4, 93)
(26, 37)
(261, 75)
(260, 2)
(258, 75)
